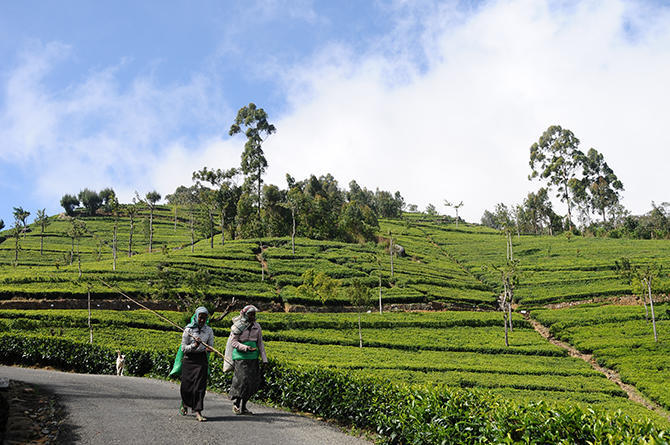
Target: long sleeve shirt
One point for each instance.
(252, 333)
(188, 343)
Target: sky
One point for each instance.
(440, 100)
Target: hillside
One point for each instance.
(442, 263)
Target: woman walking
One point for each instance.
(196, 343)
(246, 342)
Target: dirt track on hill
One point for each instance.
(633, 393)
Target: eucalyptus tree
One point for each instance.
(76, 232)
(431, 210)
(505, 223)
(16, 234)
(509, 279)
(359, 296)
(69, 202)
(131, 210)
(2, 224)
(21, 216)
(43, 221)
(455, 206)
(115, 209)
(90, 200)
(225, 195)
(600, 188)
(256, 129)
(539, 209)
(107, 195)
(644, 276)
(293, 198)
(556, 158)
(150, 199)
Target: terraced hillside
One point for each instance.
(423, 350)
(443, 262)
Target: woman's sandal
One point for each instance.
(200, 418)
(236, 410)
(247, 412)
(182, 409)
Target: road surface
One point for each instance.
(105, 409)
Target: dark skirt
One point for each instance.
(194, 380)
(246, 379)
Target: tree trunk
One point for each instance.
(651, 304)
(505, 320)
(567, 200)
(42, 241)
(78, 259)
(175, 218)
(130, 237)
(380, 291)
(211, 228)
(391, 252)
(90, 329)
(151, 228)
(509, 314)
(114, 246)
(644, 302)
(293, 233)
(223, 223)
(360, 334)
(192, 233)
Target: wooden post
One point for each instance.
(90, 328)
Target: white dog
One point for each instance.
(120, 362)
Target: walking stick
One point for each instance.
(116, 288)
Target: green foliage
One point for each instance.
(90, 200)
(318, 286)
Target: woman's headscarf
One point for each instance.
(194, 319)
(241, 322)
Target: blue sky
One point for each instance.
(439, 100)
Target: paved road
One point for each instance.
(104, 409)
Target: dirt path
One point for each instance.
(633, 393)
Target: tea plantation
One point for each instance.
(421, 377)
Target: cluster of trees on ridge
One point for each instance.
(586, 184)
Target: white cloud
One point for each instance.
(495, 80)
(444, 107)
(97, 133)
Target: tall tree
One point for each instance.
(43, 221)
(90, 200)
(2, 224)
(151, 199)
(107, 196)
(114, 208)
(131, 210)
(225, 192)
(257, 128)
(600, 188)
(645, 276)
(455, 206)
(16, 234)
(69, 202)
(76, 232)
(556, 158)
(359, 296)
(21, 216)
